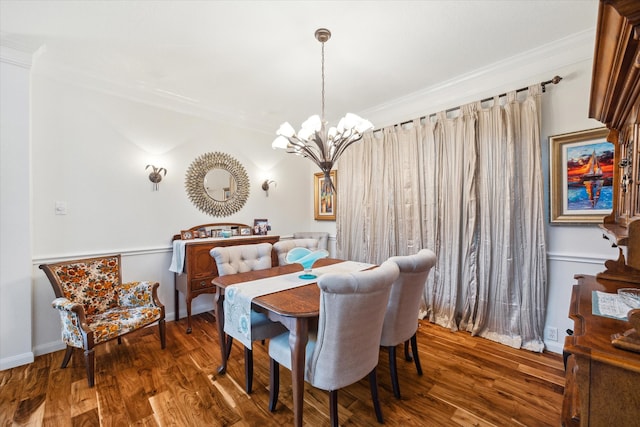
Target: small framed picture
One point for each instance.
(325, 199)
(581, 169)
(202, 233)
(186, 235)
(261, 226)
(245, 231)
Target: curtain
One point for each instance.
(470, 188)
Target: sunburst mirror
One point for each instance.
(217, 184)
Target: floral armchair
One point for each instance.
(95, 306)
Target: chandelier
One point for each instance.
(317, 142)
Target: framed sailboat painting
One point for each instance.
(581, 166)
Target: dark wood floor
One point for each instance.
(467, 382)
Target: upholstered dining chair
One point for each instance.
(283, 247)
(240, 259)
(95, 306)
(401, 317)
(346, 346)
(321, 236)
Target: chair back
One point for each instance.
(242, 258)
(92, 282)
(283, 247)
(321, 236)
(401, 317)
(349, 326)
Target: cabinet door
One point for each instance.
(200, 262)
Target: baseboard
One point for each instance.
(554, 346)
(17, 360)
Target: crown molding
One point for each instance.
(510, 74)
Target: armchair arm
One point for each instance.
(139, 294)
(74, 321)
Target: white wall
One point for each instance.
(15, 225)
(89, 149)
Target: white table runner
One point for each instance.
(237, 298)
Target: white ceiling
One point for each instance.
(258, 62)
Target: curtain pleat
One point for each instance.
(470, 188)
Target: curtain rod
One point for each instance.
(555, 80)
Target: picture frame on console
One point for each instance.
(261, 226)
(581, 166)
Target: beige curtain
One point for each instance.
(470, 188)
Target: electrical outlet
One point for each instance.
(552, 333)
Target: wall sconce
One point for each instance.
(265, 185)
(156, 176)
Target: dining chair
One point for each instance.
(96, 307)
(346, 345)
(321, 236)
(401, 316)
(283, 247)
(240, 259)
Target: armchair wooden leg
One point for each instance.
(67, 356)
(248, 370)
(333, 407)
(163, 333)
(393, 368)
(414, 350)
(274, 384)
(373, 383)
(89, 361)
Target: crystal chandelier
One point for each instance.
(317, 142)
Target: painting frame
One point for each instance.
(567, 175)
(323, 198)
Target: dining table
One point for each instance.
(295, 308)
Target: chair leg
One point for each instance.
(229, 345)
(248, 369)
(407, 356)
(274, 384)
(333, 407)
(414, 350)
(373, 382)
(89, 361)
(67, 356)
(393, 368)
(163, 334)
(119, 340)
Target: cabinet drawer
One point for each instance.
(201, 284)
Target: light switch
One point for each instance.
(61, 208)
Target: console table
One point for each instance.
(602, 382)
(199, 269)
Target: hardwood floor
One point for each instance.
(467, 382)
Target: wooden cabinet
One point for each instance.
(200, 269)
(603, 382)
(615, 101)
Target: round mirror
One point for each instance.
(217, 184)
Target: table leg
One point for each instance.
(298, 337)
(222, 338)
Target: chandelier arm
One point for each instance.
(344, 145)
(305, 148)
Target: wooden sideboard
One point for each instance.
(200, 269)
(602, 382)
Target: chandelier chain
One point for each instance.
(322, 110)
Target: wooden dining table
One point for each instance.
(295, 308)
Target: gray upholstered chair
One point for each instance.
(321, 236)
(240, 259)
(401, 317)
(346, 346)
(283, 247)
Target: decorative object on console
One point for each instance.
(217, 184)
(261, 226)
(265, 185)
(155, 177)
(581, 170)
(314, 141)
(325, 197)
(305, 257)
